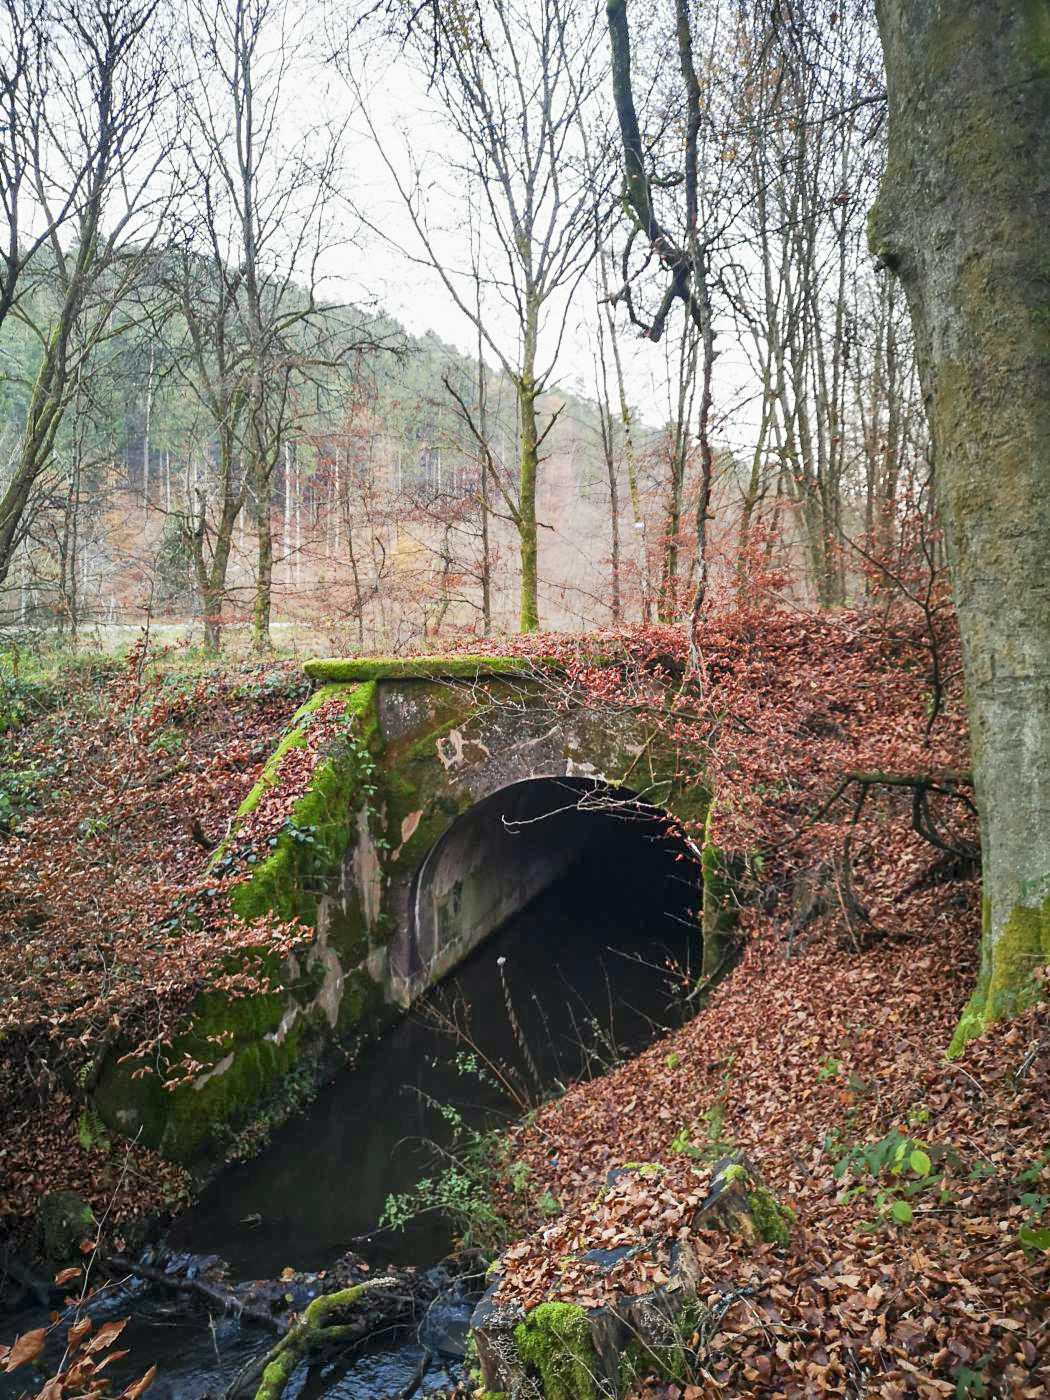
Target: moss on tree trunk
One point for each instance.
(962, 218)
(528, 468)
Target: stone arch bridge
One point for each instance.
(450, 793)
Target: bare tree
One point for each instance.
(607, 426)
(29, 71)
(268, 225)
(688, 254)
(211, 354)
(611, 332)
(808, 148)
(512, 77)
(90, 142)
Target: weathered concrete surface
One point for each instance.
(490, 864)
(452, 801)
(472, 833)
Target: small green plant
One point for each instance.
(518, 1174)
(301, 835)
(712, 1143)
(169, 741)
(461, 1190)
(470, 1067)
(894, 1171)
(969, 1384)
(18, 792)
(1031, 1176)
(830, 1069)
(1032, 1234)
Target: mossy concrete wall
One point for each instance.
(418, 834)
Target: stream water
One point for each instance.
(585, 967)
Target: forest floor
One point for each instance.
(116, 775)
(920, 1261)
(918, 1265)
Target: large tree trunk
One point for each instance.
(963, 218)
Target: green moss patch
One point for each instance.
(401, 668)
(318, 829)
(1005, 984)
(773, 1221)
(63, 1221)
(554, 1341)
(252, 1049)
(322, 1320)
(198, 1117)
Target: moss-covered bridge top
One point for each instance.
(354, 669)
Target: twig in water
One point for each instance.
(417, 1378)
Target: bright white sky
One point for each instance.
(416, 137)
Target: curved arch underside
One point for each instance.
(500, 855)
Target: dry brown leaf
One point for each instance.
(143, 1383)
(27, 1347)
(79, 1330)
(106, 1334)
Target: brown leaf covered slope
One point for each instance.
(797, 1061)
(119, 779)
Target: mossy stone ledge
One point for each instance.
(352, 669)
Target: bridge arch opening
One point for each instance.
(556, 895)
(606, 864)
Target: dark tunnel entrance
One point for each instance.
(604, 849)
(593, 901)
(574, 903)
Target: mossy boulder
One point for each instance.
(63, 1220)
(319, 827)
